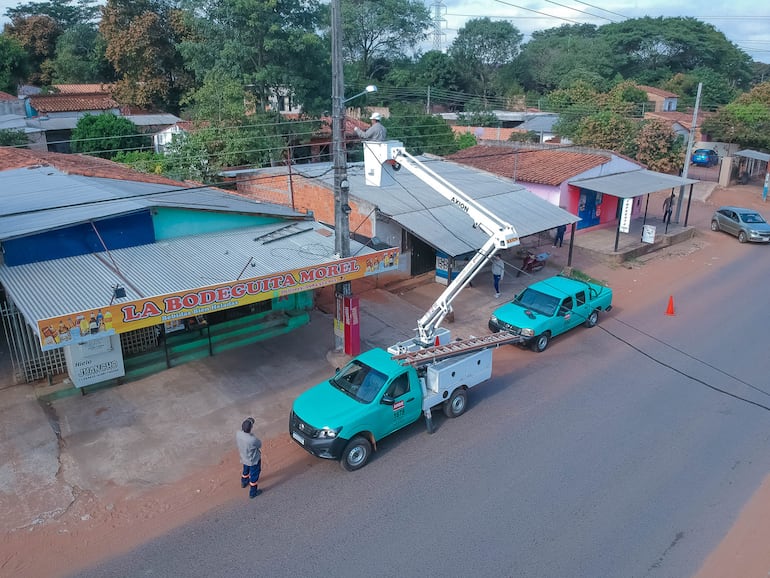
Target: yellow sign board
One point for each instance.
(81, 326)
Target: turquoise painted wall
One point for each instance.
(172, 223)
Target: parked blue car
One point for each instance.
(705, 158)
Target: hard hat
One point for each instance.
(375, 116)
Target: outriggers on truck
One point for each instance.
(380, 392)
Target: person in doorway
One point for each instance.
(558, 240)
(668, 207)
(376, 132)
(498, 270)
(250, 450)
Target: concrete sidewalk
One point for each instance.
(159, 429)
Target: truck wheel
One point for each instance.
(592, 319)
(540, 342)
(356, 454)
(456, 404)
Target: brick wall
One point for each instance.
(307, 195)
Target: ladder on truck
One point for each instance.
(430, 354)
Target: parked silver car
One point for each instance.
(746, 224)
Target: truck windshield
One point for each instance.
(538, 302)
(359, 381)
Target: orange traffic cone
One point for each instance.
(670, 308)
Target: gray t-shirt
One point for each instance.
(249, 447)
(376, 132)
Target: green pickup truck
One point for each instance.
(551, 307)
(379, 392)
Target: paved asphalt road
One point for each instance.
(600, 457)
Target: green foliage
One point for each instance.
(420, 132)
(61, 11)
(477, 114)
(558, 57)
(143, 161)
(201, 154)
(609, 131)
(437, 70)
(381, 29)
(531, 137)
(14, 64)
(80, 57)
(480, 48)
(13, 138)
(141, 44)
(38, 35)
(221, 99)
(745, 121)
(267, 45)
(104, 135)
(659, 147)
(651, 50)
(465, 140)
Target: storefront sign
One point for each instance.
(82, 326)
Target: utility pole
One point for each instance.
(688, 155)
(339, 158)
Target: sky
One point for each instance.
(744, 22)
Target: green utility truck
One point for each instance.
(379, 392)
(549, 308)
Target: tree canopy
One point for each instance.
(105, 135)
(482, 47)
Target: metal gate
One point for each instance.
(28, 361)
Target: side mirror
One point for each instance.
(387, 400)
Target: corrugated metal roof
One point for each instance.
(428, 215)
(43, 198)
(632, 184)
(51, 288)
(756, 155)
(153, 119)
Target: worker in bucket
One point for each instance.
(376, 132)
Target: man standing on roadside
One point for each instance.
(498, 270)
(249, 448)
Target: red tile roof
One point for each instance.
(6, 96)
(72, 103)
(657, 91)
(543, 166)
(15, 158)
(350, 124)
(83, 88)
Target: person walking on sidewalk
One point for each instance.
(559, 238)
(250, 450)
(498, 270)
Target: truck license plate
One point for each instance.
(298, 437)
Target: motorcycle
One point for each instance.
(533, 262)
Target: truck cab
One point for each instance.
(368, 399)
(551, 307)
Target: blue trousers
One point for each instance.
(496, 279)
(250, 477)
